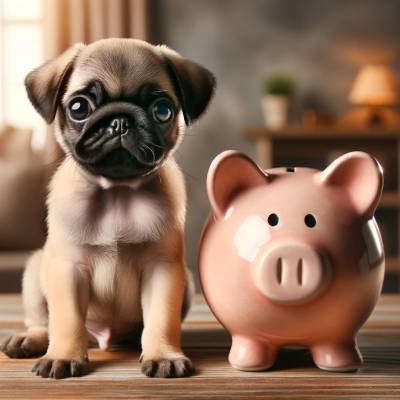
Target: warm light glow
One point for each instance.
(375, 85)
(21, 50)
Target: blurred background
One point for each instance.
(299, 82)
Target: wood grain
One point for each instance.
(116, 374)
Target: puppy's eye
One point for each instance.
(162, 111)
(79, 109)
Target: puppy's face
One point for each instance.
(120, 104)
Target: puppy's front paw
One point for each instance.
(168, 368)
(25, 345)
(59, 369)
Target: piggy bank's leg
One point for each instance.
(249, 354)
(340, 357)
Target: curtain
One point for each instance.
(70, 21)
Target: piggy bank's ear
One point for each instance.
(231, 173)
(360, 175)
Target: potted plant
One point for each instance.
(277, 100)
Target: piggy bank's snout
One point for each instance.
(291, 272)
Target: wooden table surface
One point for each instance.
(116, 374)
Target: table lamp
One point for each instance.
(374, 91)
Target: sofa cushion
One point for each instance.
(23, 181)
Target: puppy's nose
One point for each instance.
(120, 125)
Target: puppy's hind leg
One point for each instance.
(34, 341)
(189, 293)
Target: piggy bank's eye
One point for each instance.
(310, 220)
(273, 219)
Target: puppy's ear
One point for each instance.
(194, 84)
(44, 83)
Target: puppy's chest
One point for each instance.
(108, 217)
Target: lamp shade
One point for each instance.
(375, 85)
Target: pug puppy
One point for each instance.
(113, 264)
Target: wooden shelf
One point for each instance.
(322, 133)
(392, 265)
(390, 200)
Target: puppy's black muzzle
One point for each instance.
(118, 141)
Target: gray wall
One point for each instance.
(321, 43)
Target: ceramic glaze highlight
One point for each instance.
(293, 257)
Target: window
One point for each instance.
(21, 50)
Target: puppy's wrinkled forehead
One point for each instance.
(122, 67)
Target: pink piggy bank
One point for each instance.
(293, 256)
